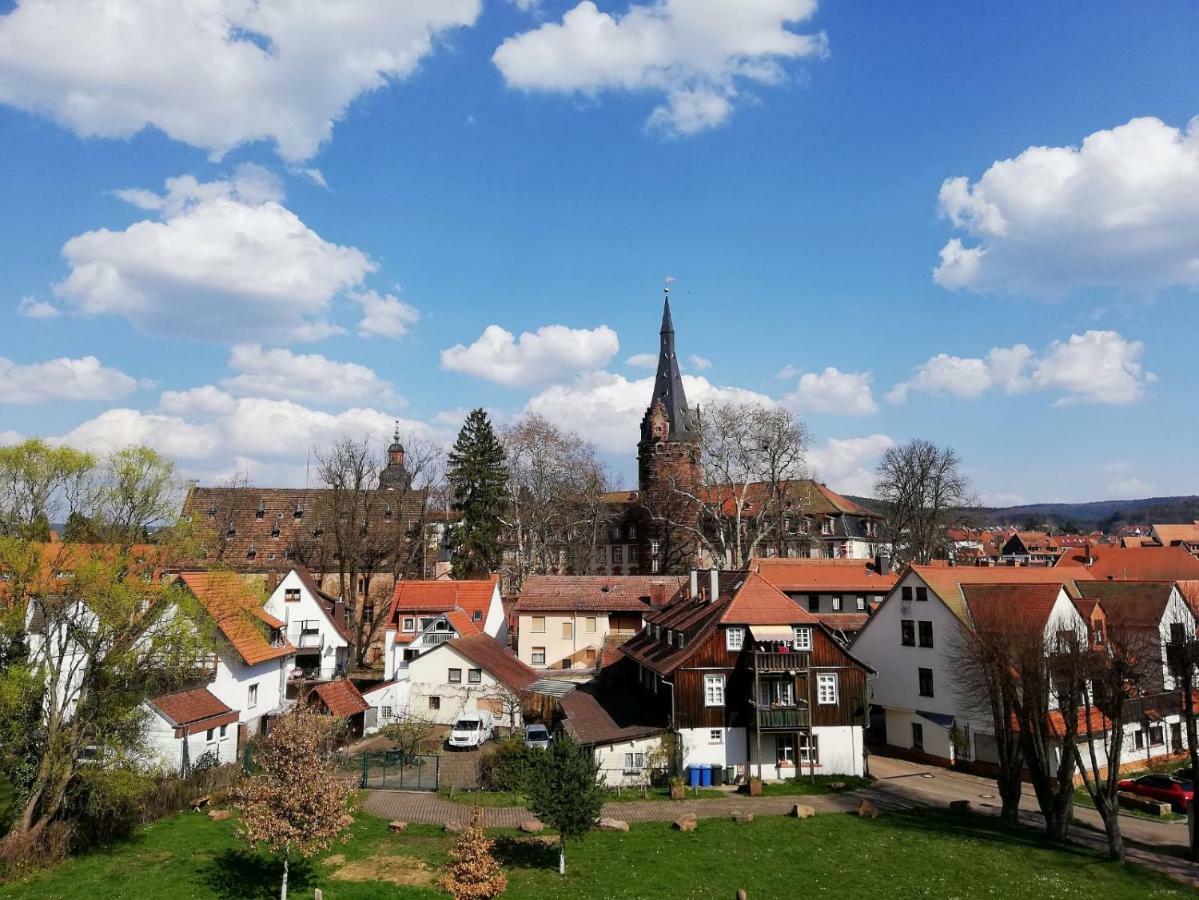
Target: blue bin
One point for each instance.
(705, 776)
(693, 776)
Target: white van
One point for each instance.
(470, 731)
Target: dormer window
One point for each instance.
(231, 531)
(251, 552)
(387, 511)
(212, 511)
(260, 513)
(299, 512)
(318, 530)
(275, 530)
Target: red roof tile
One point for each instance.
(461, 621)
(758, 602)
(496, 659)
(603, 593)
(193, 711)
(237, 610)
(1136, 563)
(823, 575)
(341, 698)
(1000, 607)
(593, 718)
(442, 596)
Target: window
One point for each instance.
(655, 566)
(617, 554)
(926, 682)
(1099, 631)
(590, 625)
(568, 630)
(474, 676)
(538, 625)
(434, 703)
(826, 688)
(387, 712)
(907, 632)
(409, 623)
(917, 736)
(291, 595)
(926, 634)
(653, 548)
(713, 690)
(803, 637)
(813, 603)
(211, 733)
(1157, 735)
(539, 656)
(784, 750)
(252, 696)
(836, 603)
(715, 735)
(657, 632)
(809, 749)
(734, 638)
(680, 640)
(632, 553)
(861, 603)
(921, 594)
(477, 616)
(455, 676)
(1138, 739)
(634, 762)
(777, 692)
(906, 592)
(826, 525)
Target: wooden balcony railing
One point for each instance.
(782, 662)
(785, 718)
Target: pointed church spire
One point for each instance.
(668, 383)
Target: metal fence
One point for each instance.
(393, 770)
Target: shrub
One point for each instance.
(205, 762)
(507, 768)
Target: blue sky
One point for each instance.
(791, 166)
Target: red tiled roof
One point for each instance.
(592, 718)
(947, 581)
(998, 607)
(442, 596)
(1136, 563)
(341, 698)
(235, 607)
(461, 621)
(496, 659)
(1136, 604)
(192, 711)
(823, 575)
(1171, 534)
(842, 621)
(603, 593)
(758, 602)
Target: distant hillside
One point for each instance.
(1101, 515)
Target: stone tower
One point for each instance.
(667, 462)
(394, 476)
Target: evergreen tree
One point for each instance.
(478, 476)
(564, 791)
(473, 873)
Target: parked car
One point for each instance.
(472, 730)
(1176, 792)
(1186, 774)
(537, 737)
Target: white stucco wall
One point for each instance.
(611, 760)
(232, 683)
(165, 751)
(333, 647)
(428, 676)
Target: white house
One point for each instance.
(626, 745)
(313, 623)
(182, 727)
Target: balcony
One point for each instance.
(436, 638)
(782, 662)
(783, 718)
(307, 640)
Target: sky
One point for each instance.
(235, 231)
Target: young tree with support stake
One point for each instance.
(564, 792)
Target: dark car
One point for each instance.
(1167, 789)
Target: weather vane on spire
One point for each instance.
(666, 289)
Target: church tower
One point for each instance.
(667, 461)
(394, 476)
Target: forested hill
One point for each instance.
(1103, 515)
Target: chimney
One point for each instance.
(694, 583)
(882, 562)
(714, 582)
(1088, 556)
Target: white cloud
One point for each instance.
(699, 363)
(33, 308)
(642, 361)
(847, 465)
(281, 374)
(1130, 488)
(696, 54)
(607, 408)
(384, 315)
(1094, 367)
(206, 400)
(214, 73)
(115, 429)
(787, 372)
(10, 437)
(1001, 499)
(1121, 210)
(224, 260)
(835, 392)
(553, 351)
(62, 379)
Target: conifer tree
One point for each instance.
(564, 791)
(478, 477)
(473, 873)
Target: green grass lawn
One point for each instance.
(1082, 798)
(626, 795)
(806, 786)
(834, 855)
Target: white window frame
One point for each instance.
(251, 696)
(802, 640)
(715, 735)
(591, 624)
(713, 690)
(836, 603)
(409, 624)
(538, 651)
(734, 638)
(826, 688)
(861, 603)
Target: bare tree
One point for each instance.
(511, 702)
(751, 457)
(925, 491)
(1182, 655)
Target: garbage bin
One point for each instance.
(730, 774)
(717, 776)
(705, 776)
(693, 776)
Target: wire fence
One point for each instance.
(395, 770)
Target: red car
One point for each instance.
(1174, 791)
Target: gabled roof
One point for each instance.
(496, 659)
(594, 716)
(341, 698)
(604, 593)
(798, 575)
(237, 611)
(1135, 563)
(192, 711)
(1175, 534)
(946, 581)
(333, 607)
(999, 608)
(442, 596)
(1139, 604)
(461, 621)
(756, 601)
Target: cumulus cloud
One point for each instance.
(833, 391)
(1094, 367)
(62, 379)
(642, 360)
(223, 260)
(115, 429)
(696, 55)
(1130, 488)
(33, 308)
(384, 315)
(280, 374)
(1121, 210)
(10, 437)
(550, 352)
(699, 363)
(847, 465)
(607, 408)
(206, 400)
(214, 73)
(787, 372)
